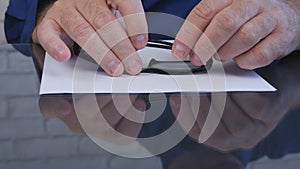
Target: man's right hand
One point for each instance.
(96, 29)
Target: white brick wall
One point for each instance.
(77, 163)
(56, 127)
(23, 110)
(3, 108)
(35, 164)
(21, 128)
(31, 149)
(89, 148)
(6, 152)
(27, 140)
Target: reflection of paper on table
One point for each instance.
(64, 78)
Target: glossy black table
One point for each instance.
(65, 131)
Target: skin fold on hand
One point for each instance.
(252, 32)
(94, 26)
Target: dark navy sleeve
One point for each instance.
(19, 23)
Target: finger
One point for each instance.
(62, 108)
(195, 24)
(111, 114)
(136, 109)
(104, 99)
(55, 106)
(133, 128)
(262, 54)
(112, 33)
(82, 33)
(205, 105)
(49, 36)
(251, 103)
(236, 121)
(223, 26)
(135, 20)
(116, 107)
(264, 104)
(221, 139)
(195, 59)
(181, 109)
(247, 36)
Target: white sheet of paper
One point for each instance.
(81, 76)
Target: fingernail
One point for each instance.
(196, 60)
(61, 54)
(140, 105)
(139, 41)
(115, 68)
(133, 67)
(175, 101)
(64, 108)
(179, 51)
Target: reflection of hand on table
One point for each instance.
(109, 128)
(246, 120)
(96, 29)
(247, 117)
(60, 107)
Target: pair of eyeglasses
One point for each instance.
(157, 66)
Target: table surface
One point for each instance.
(102, 131)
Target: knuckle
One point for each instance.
(102, 18)
(226, 22)
(240, 130)
(79, 29)
(226, 145)
(258, 113)
(122, 3)
(50, 41)
(57, 4)
(203, 10)
(40, 29)
(262, 56)
(56, 11)
(243, 64)
(247, 35)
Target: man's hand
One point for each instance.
(112, 126)
(96, 29)
(252, 32)
(246, 120)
